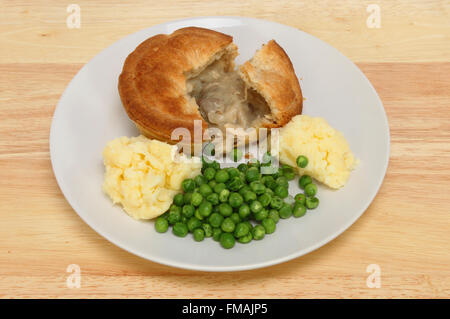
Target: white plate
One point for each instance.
(90, 114)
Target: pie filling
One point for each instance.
(225, 100)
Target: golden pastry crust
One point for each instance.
(152, 85)
(271, 74)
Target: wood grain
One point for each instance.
(406, 230)
(415, 30)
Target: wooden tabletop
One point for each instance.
(405, 231)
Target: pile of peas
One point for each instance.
(237, 204)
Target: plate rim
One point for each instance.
(196, 267)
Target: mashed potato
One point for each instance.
(142, 175)
(329, 155)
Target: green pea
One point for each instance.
(242, 167)
(207, 228)
(188, 185)
(252, 174)
(178, 200)
(216, 234)
(299, 210)
(180, 230)
(282, 181)
(174, 217)
(262, 214)
(188, 211)
(302, 161)
(165, 215)
(277, 174)
(276, 202)
(281, 191)
(228, 225)
(174, 208)
(255, 206)
(227, 240)
(222, 176)
(288, 172)
(193, 223)
(304, 180)
(219, 187)
(271, 184)
(205, 208)
(245, 239)
(213, 198)
(196, 199)
(223, 195)
(187, 197)
(274, 215)
(249, 196)
(237, 154)
(235, 200)
(257, 187)
(267, 179)
(215, 219)
(235, 218)
(209, 173)
(265, 199)
(312, 202)
(198, 215)
(200, 180)
(258, 232)
(161, 225)
(199, 234)
(269, 225)
(241, 230)
(311, 190)
(244, 211)
(235, 183)
(205, 190)
(233, 172)
(300, 198)
(289, 175)
(225, 209)
(212, 183)
(249, 224)
(244, 189)
(285, 211)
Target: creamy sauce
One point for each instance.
(223, 99)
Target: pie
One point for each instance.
(169, 81)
